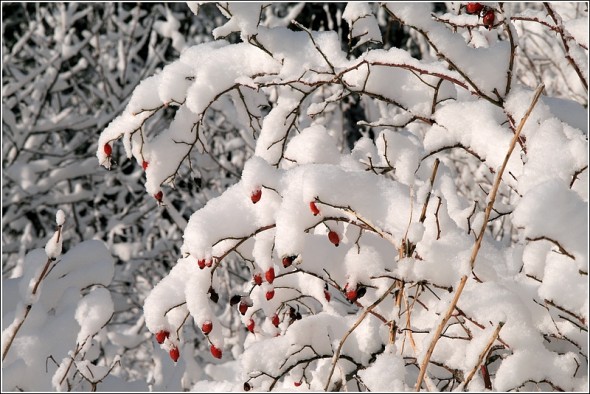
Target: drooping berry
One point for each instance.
(297, 384)
(288, 260)
(209, 262)
(250, 325)
(270, 294)
(327, 295)
(216, 352)
(334, 238)
(161, 336)
(473, 8)
(314, 208)
(257, 279)
(144, 165)
(361, 291)
(243, 307)
(201, 263)
(207, 327)
(213, 295)
(235, 299)
(158, 196)
(270, 275)
(488, 19)
(174, 354)
(275, 320)
(255, 196)
(247, 386)
(352, 295)
(108, 150)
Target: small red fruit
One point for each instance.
(270, 275)
(250, 325)
(327, 295)
(474, 8)
(270, 294)
(288, 260)
(255, 196)
(216, 352)
(297, 384)
(207, 327)
(488, 19)
(243, 307)
(351, 295)
(334, 238)
(161, 336)
(201, 263)
(174, 354)
(275, 320)
(108, 150)
(158, 196)
(144, 165)
(314, 209)
(209, 262)
(257, 279)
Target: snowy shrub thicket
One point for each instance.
(376, 217)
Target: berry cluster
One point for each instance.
(482, 11)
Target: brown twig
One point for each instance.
(483, 354)
(476, 247)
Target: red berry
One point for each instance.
(243, 307)
(108, 150)
(488, 19)
(257, 279)
(201, 263)
(314, 209)
(297, 384)
(174, 354)
(270, 275)
(216, 352)
(161, 336)
(288, 260)
(144, 165)
(275, 320)
(209, 262)
(158, 196)
(250, 325)
(255, 196)
(334, 238)
(270, 294)
(327, 295)
(351, 295)
(207, 327)
(474, 8)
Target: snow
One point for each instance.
(93, 312)
(60, 217)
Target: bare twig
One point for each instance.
(476, 247)
(483, 354)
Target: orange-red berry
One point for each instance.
(334, 238)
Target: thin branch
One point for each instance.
(483, 354)
(476, 247)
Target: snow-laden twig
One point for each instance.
(476, 247)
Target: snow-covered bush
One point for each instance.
(401, 262)
(55, 308)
